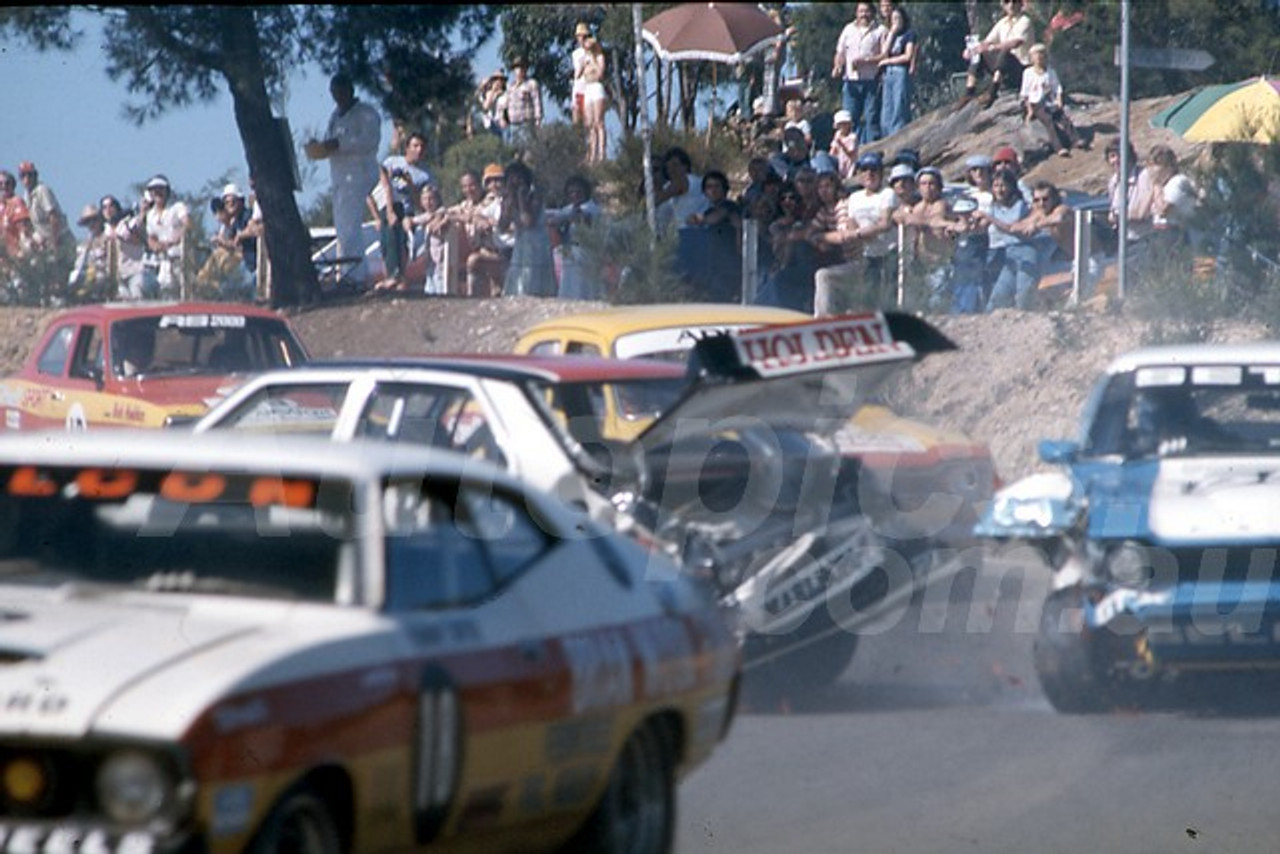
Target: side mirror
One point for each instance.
(1060, 451)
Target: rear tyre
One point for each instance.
(637, 812)
(1066, 662)
(300, 824)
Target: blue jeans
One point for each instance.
(1018, 276)
(895, 109)
(862, 99)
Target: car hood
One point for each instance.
(185, 392)
(75, 659)
(1215, 500)
(809, 377)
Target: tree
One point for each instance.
(415, 59)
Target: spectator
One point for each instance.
(968, 275)
(392, 201)
(1173, 198)
(351, 147)
(1052, 225)
(757, 168)
(595, 100)
(1003, 54)
(929, 224)
(166, 234)
(826, 221)
(1012, 254)
(491, 97)
(577, 108)
(806, 181)
(235, 236)
(977, 170)
(471, 237)
(1139, 195)
(902, 180)
(844, 145)
(897, 68)
(857, 57)
(1006, 157)
(580, 211)
(790, 282)
(428, 229)
(51, 233)
(524, 104)
(15, 220)
(866, 235)
(794, 153)
(129, 235)
(531, 269)
(680, 197)
(91, 278)
(1042, 100)
(719, 275)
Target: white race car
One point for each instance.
(229, 644)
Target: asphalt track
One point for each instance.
(937, 739)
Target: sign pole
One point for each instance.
(1122, 185)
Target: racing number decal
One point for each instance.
(77, 421)
(438, 753)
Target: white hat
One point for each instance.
(232, 190)
(902, 170)
(159, 182)
(842, 116)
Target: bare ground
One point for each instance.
(1017, 377)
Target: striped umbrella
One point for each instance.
(1247, 111)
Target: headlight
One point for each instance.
(1023, 511)
(133, 787)
(1129, 564)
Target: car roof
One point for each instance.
(121, 310)
(310, 456)
(513, 368)
(1246, 353)
(624, 319)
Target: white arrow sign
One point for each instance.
(1172, 58)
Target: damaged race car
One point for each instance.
(226, 644)
(728, 462)
(1162, 532)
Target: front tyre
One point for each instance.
(637, 812)
(300, 824)
(1066, 661)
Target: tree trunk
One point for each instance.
(293, 275)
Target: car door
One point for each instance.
(57, 399)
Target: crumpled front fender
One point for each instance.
(1042, 506)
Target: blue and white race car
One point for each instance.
(1163, 531)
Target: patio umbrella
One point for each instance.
(727, 33)
(1247, 111)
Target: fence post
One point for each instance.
(1083, 251)
(750, 259)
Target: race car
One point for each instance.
(234, 644)
(727, 462)
(919, 482)
(142, 364)
(1162, 532)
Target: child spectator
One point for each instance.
(844, 145)
(1042, 100)
(429, 231)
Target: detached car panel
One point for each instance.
(1164, 529)
(215, 643)
(142, 364)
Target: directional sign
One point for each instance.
(1172, 58)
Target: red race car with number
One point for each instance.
(142, 364)
(256, 644)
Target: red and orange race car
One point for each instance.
(255, 644)
(142, 364)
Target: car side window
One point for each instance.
(581, 348)
(436, 416)
(545, 348)
(53, 359)
(88, 363)
(453, 550)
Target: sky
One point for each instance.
(64, 114)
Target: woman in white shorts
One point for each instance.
(595, 99)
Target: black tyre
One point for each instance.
(800, 662)
(637, 812)
(300, 824)
(1066, 661)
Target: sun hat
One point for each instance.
(1006, 154)
(232, 190)
(88, 214)
(902, 170)
(978, 161)
(159, 182)
(493, 170)
(582, 29)
(930, 170)
(842, 116)
(870, 160)
(964, 206)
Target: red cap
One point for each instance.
(26, 166)
(1006, 155)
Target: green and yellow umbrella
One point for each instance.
(1248, 111)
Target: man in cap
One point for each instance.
(51, 232)
(237, 236)
(1006, 157)
(977, 173)
(92, 279)
(166, 231)
(866, 232)
(351, 147)
(902, 180)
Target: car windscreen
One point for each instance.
(1188, 410)
(201, 343)
(257, 536)
(609, 411)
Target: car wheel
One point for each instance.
(300, 824)
(637, 812)
(1066, 662)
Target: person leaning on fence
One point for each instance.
(719, 275)
(1012, 253)
(866, 233)
(930, 237)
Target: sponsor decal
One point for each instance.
(202, 321)
(41, 700)
(127, 412)
(847, 341)
(30, 839)
(600, 670)
(103, 484)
